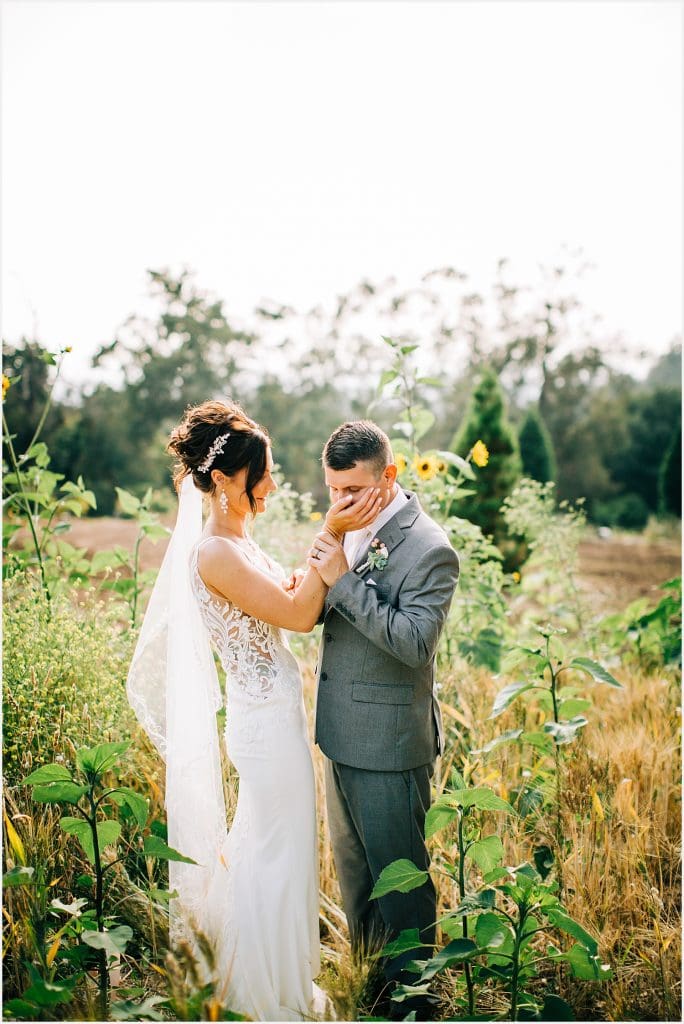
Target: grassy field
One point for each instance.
(621, 811)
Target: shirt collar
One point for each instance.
(388, 511)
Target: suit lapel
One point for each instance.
(392, 533)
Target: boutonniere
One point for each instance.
(377, 556)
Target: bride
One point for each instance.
(253, 889)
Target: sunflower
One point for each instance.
(315, 516)
(479, 453)
(5, 385)
(425, 466)
(442, 466)
(401, 463)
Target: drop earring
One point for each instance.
(223, 502)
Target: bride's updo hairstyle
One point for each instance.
(201, 427)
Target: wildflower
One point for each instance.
(425, 466)
(401, 463)
(315, 516)
(6, 382)
(479, 453)
(516, 577)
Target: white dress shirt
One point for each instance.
(355, 542)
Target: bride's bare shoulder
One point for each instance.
(216, 558)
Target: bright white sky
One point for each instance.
(286, 150)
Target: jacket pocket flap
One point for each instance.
(382, 693)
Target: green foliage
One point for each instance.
(476, 626)
(536, 449)
(670, 478)
(28, 400)
(545, 664)
(299, 419)
(29, 495)
(551, 535)
(627, 512)
(501, 916)
(88, 792)
(63, 674)
(133, 584)
(651, 635)
(649, 418)
(486, 420)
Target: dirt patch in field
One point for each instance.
(618, 570)
(613, 570)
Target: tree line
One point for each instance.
(525, 369)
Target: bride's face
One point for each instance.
(237, 495)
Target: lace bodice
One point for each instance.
(254, 654)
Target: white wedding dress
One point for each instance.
(268, 950)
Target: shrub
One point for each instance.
(536, 449)
(58, 669)
(670, 478)
(627, 511)
(486, 420)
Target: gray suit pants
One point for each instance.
(375, 818)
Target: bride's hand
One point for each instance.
(291, 584)
(353, 512)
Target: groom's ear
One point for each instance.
(390, 474)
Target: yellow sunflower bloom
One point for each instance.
(401, 463)
(442, 466)
(425, 466)
(5, 385)
(479, 453)
(516, 577)
(315, 516)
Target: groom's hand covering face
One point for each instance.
(353, 512)
(355, 485)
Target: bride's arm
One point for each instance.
(223, 567)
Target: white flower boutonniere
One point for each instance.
(377, 556)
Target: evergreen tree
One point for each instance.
(536, 449)
(486, 421)
(670, 478)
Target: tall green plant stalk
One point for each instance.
(462, 894)
(554, 673)
(22, 492)
(21, 496)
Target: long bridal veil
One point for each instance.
(173, 688)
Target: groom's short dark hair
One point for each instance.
(357, 441)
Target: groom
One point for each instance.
(377, 718)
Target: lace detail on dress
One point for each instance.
(246, 646)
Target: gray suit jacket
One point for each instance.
(376, 707)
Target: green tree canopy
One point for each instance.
(536, 448)
(670, 478)
(486, 420)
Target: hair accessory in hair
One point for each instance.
(217, 446)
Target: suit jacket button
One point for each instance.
(324, 676)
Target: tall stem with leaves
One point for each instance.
(20, 498)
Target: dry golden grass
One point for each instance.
(621, 822)
(621, 816)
